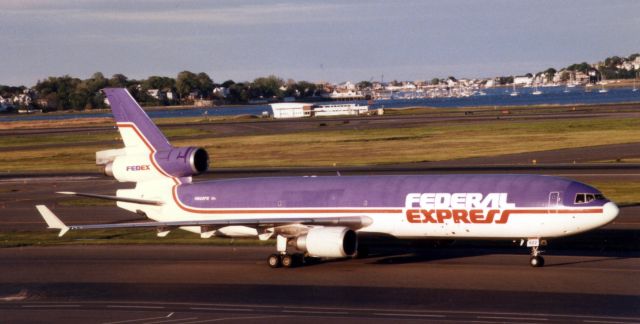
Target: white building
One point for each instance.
(291, 110)
(155, 93)
(298, 110)
(522, 80)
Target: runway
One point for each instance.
(207, 284)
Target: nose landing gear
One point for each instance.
(536, 260)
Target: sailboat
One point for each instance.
(603, 90)
(536, 91)
(514, 93)
(634, 85)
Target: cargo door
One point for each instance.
(555, 202)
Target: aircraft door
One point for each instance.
(555, 201)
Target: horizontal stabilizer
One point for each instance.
(52, 220)
(116, 198)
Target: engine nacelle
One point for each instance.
(177, 162)
(328, 242)
(183, 161)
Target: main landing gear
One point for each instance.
(286, 260)
(536, 260)
(282, 258)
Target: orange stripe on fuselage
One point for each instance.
(151, 149)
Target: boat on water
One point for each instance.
(602, 89)
(536, 91)
(514, 93)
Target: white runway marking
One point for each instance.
(135, 306)
(607, 322)
(50, 306)
(409, 315)
(513, 318)
(235, 319)
(313, 312)
(181, 320)
(140, 319)
(222, 309)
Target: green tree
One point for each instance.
(186, 82)
(238, 93)
(550, 72)
(435, 81)
(227, 83)
(205, 84)
(62, 88)
(579, 67)
(159, 82)
(268, 87)
(612, 62)
(118, 81)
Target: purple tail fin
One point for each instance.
(130, 116)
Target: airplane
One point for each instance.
(322, 217)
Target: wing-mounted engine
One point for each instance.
(328, 242)
(175, 162)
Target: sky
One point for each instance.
(331, 41)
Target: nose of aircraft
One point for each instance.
(610, 211)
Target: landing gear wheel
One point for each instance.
(536, 261)
(288, 261)
(274, 261)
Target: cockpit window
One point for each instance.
(583, 198)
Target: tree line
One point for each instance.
(67, 92)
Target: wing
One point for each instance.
(354, 222)
(124, 199)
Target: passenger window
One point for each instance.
(579, 198)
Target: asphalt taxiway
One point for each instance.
(207, 284)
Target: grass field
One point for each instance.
(346, 147)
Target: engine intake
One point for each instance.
(183, 161)
(328, 242)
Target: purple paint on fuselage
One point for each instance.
(374, 191)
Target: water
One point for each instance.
(495, 97)
(502, 97)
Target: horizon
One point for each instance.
(330, 41)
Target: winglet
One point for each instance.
(52, 220)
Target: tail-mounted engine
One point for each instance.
(176, 162)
